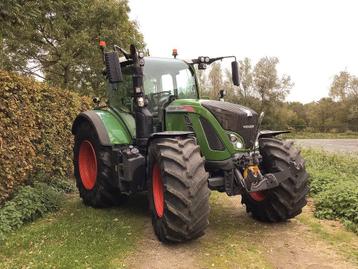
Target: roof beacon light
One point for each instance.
(175, 53)
(102, 43)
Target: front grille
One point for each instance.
(235, 118)
(211, 135)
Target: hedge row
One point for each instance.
(35, 131)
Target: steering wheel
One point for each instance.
(157, 99)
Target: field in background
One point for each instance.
(308, 135)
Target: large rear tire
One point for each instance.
(93, 169)
(177, 189)
(287, 200)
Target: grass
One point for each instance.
(333, 186)
(83, 237)
(229, 243)
(76, 237)
(344, 241)
(320, 135)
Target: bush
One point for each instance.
(35, 131)
(333, 185)
(29, 203)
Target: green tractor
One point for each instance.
(155, 134)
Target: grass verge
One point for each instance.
(28, 204)
(342, 240)
(76, 237)
(333, 185)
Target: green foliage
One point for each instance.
(333, 184)
(78, 236)
(62, 185)
(35, 131)
(28, 204)
(312, 135)
(58, 40)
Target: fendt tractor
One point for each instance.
(155, 134)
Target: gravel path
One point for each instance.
(331, 145)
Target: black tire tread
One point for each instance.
(104, 194)
(186, 191)
(287, 200)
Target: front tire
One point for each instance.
(286, 200)
(93, 169)
(177, 189)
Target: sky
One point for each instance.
(314, 40)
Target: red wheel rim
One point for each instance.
(257, 196)
(87, 163)
(158, 194)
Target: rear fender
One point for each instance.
(110, 128)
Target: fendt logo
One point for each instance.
(248, 126)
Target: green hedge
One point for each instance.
(333, 184)
(35, 131)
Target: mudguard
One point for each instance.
(109, 127)
(269, 133)
(169, 134)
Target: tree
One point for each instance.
(344, 86)
(246, 76)
(58, 40)
(269, 87)
(344, 89)
(216, 80)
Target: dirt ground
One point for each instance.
(331, 145)
(285, 245)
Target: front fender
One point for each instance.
(109, 127)
(269, 133)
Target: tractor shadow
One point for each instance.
(137, 205)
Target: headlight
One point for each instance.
(236, 141)
(239, 145)
(257, 144)
(233, 138)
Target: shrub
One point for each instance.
(333, 185)
(35, 130)
(29, 203)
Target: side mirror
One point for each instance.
(222, 94)
(113, 67)
(235, 73)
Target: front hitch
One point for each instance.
(253, 180)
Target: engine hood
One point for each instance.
(235, 118)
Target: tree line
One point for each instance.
(264, 90)
(57, 41)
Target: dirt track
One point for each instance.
(234, 240)
(331, 145)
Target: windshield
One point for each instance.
(169, 76)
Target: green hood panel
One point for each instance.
(185, 114)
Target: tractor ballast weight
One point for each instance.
(155, 134)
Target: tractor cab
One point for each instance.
(164, 80)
